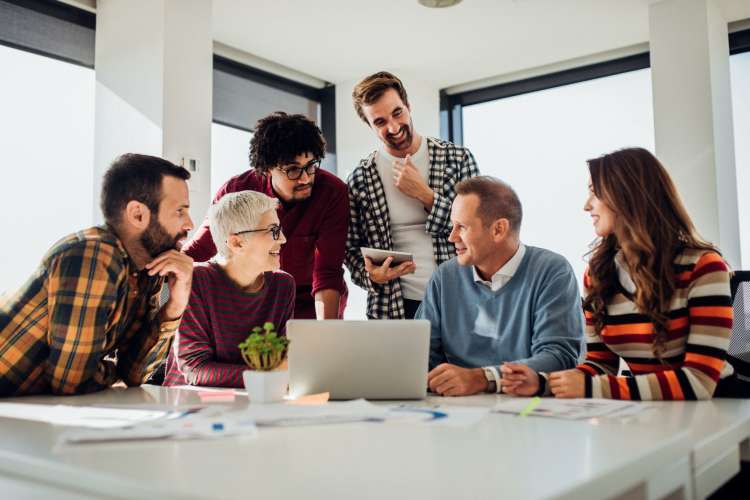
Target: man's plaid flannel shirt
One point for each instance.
(370, 225)
(86, 319)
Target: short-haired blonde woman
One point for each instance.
(242, 289)
(656, 295)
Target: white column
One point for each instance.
(693, 114)
(154, 66)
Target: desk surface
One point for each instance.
(516, 457)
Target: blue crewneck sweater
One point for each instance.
(535, 318)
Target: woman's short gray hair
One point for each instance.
(235, 212)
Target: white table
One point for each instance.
(719, 437)
(646, 456)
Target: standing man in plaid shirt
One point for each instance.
(90, 315)
(400, 199)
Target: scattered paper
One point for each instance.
(282, 414)
(573, 409)
(82, 416)
(435, 414)
(208, 423)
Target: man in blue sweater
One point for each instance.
(498, 300)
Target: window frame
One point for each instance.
(69, 17)
(451, 105)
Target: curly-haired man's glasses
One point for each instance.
(294, 173)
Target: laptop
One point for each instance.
(378, 359)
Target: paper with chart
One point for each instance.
(573, 409)
(436, 414)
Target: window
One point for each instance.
(229, 154)
(740, 73)
(538, 142)
(47, 123)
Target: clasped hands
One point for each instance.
(520, 380)
(517, 380)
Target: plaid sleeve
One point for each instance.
(147, 347)
(438, 220)
(356, 237)
(82, 296)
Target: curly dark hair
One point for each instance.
(279, 138)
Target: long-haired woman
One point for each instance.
(656, 295)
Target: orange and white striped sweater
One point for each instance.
(699, 328)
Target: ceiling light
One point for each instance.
(439, 4)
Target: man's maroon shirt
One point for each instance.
(315, 229)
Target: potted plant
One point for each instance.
(264, 352)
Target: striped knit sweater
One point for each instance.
(698, 337)
(218, 317)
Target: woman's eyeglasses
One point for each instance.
(275, 231)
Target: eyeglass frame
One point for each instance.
(274, 229)
(314, 164)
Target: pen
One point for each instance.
(530, 407)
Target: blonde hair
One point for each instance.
(236, 212)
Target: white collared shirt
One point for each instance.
(505, 273)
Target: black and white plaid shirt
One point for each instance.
(370, 223)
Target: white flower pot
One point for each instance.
(266, 387)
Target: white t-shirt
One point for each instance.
(408, 218)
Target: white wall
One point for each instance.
(153, 90)
(693, 114)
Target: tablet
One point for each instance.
(378, 256)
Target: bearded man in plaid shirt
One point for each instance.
(400, 199)
(90, 315)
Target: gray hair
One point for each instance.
(235, 212)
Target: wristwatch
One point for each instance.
(489, 374)
(542, 391)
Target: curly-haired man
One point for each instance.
(285, 155)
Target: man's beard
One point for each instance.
(299, 193)
(156, 240)
(405, 143)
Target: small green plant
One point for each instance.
(264, 349)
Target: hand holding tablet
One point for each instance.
(378, 256)
(382, 266)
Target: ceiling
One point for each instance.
(342, 40)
